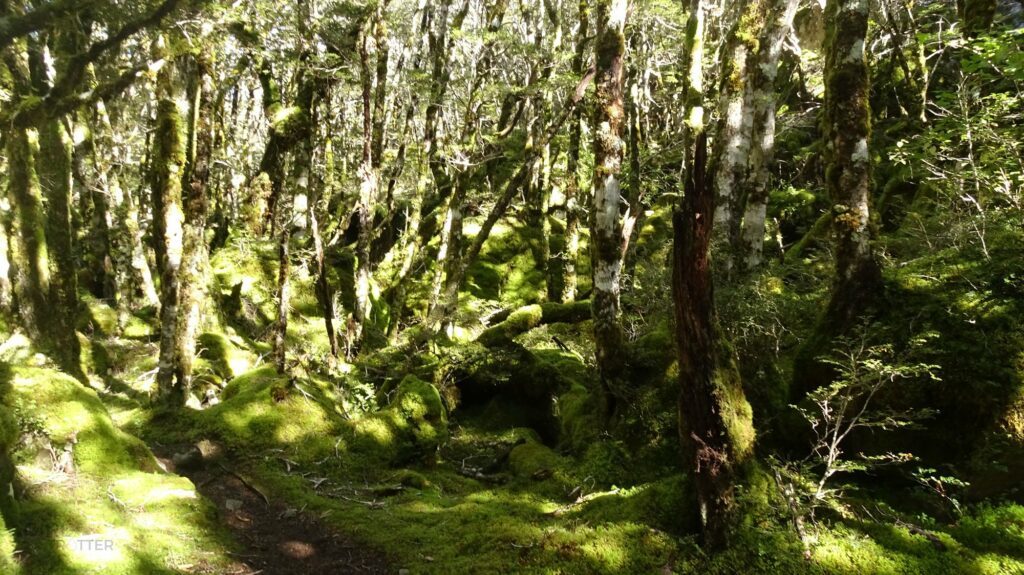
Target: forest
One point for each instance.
(511, 286)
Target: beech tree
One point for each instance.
(606, 221)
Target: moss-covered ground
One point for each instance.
(403, 452)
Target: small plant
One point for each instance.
(947, 488)
(835, 411)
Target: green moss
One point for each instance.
(156, 522)
(579, 417)
(412, 427)
(226, 359)
(533, 458)
(7, 545)
(96, 316)
(263, 410)
(668, 504)
(65, 408)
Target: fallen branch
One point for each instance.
(529, 317)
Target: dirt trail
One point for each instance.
(277, 539)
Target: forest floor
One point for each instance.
(273, 538)
(287, 488)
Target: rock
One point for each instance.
(211, 450)
(192, 458)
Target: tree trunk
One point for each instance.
(28, 243)
(412, 238)
(732, 140)
(55, 179)
(606, 223)
(194, 264)
(976, 16)
(133, 279)
(572, 183)
(847, 124)
(284, 231)
(367, 196)
(763, 71)
(715, 420)
(168, 162)
(324, 293)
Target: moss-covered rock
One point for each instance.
(225, 358)
(533, 459)
(411, 428)
(668, 504)
(578, 417)
(262, 409)
(68, 411)
(112, 489)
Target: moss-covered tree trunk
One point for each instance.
(55, 178)
(764, 69)
(633, 218)
(28, 244)
(847, 127)
(732, 138)
(167, 165)
(606, 222)
(117, 215)
(194, 262)
(367, 195)
(411, 240)
(715, 420)
(283, 292)
(93, 216)
(449, 270)
(324, 292)
(571, 251)
(39, 182)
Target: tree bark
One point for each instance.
(168, 163)
(763, 72)
(606, 222)
(55, 149)
(570, 253)
(194, 264)
(847, 124)
(976, 16)
(715, 420)
(732, 139)
(367, 195)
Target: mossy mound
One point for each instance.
(224, 357)
(7, 546)
(668, 504)
(578, 417)
(411, 427)
(263, 410)
(147, 521)
(960, 309)
(64, 409)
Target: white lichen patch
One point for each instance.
(856, 52)
(860, 151)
